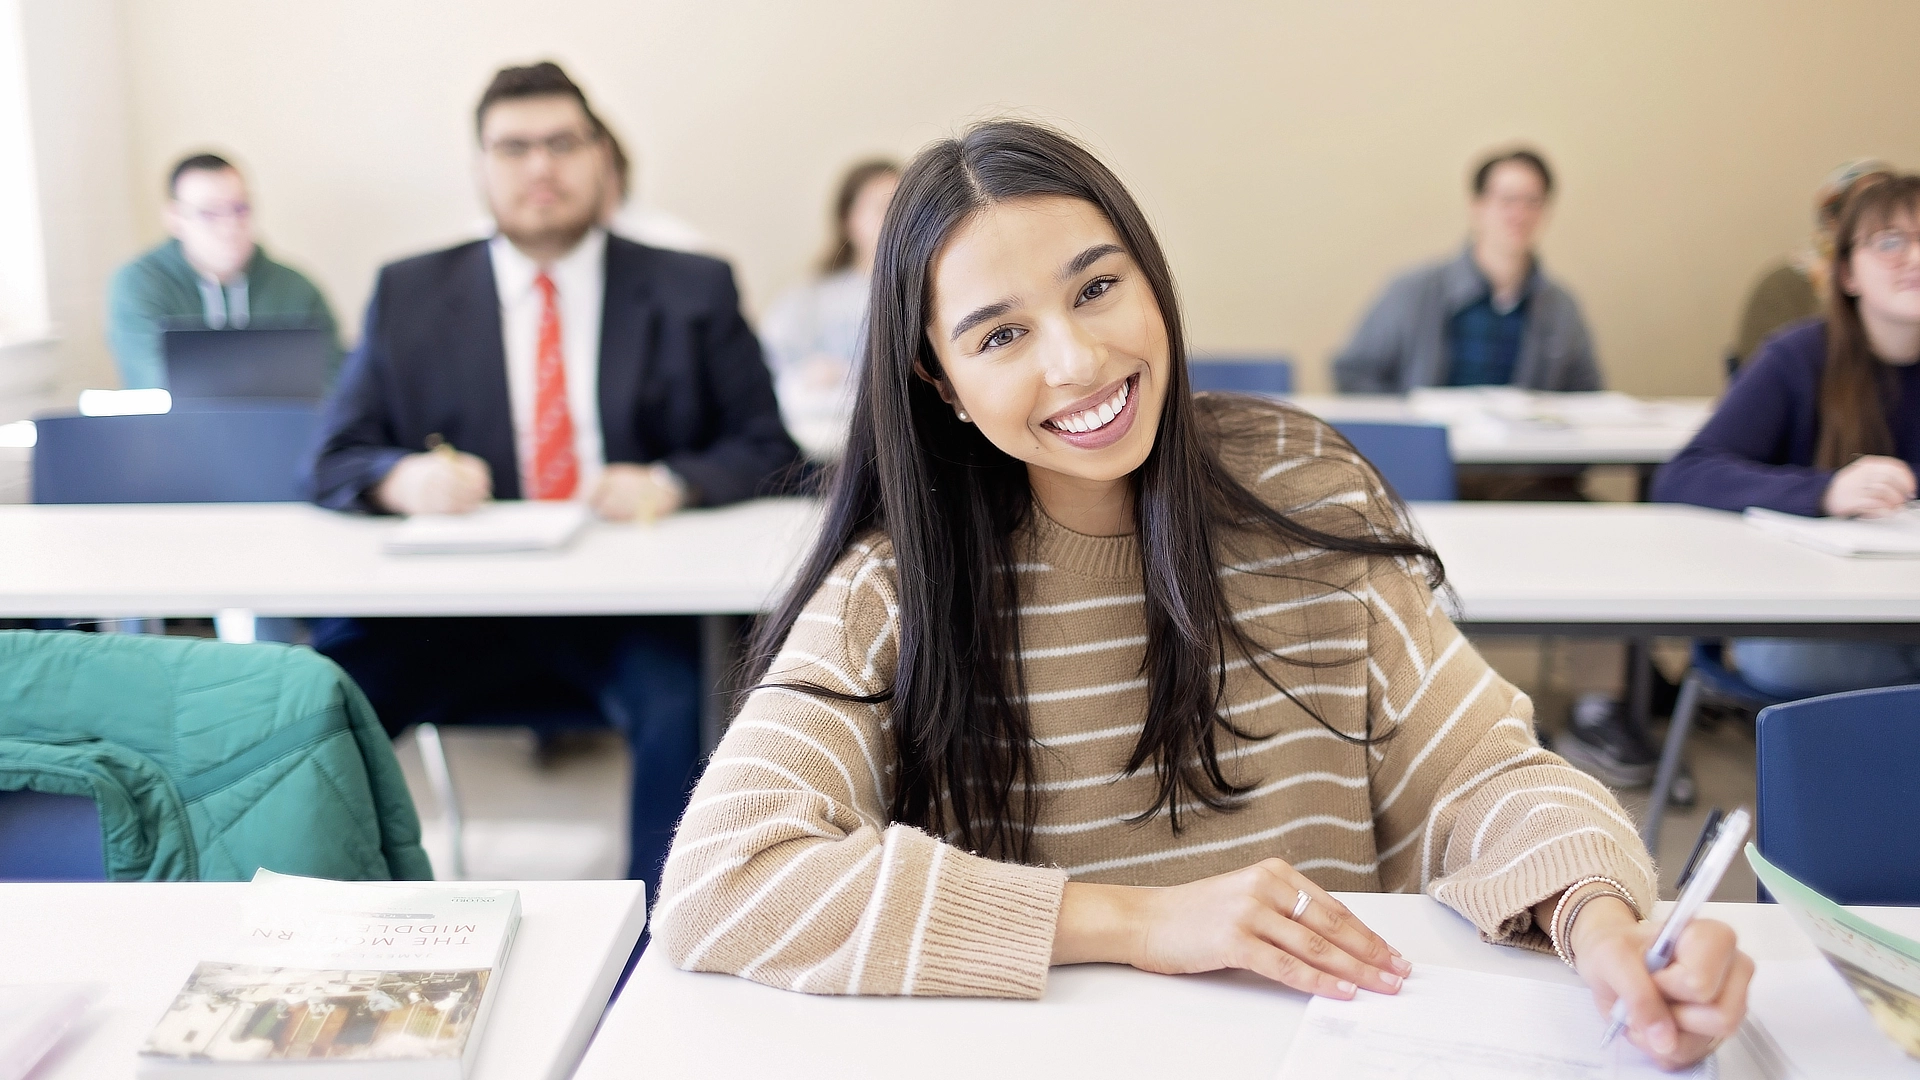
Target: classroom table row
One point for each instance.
(1608, 568)
(142, 939)
(1620, 570)
(1502, 425)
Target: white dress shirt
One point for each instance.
(580, 283)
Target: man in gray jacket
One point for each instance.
(1490, 316)
(1487, 316)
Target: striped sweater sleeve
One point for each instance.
(1467, 805)
(785, 869)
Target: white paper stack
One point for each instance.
(495, 527)
(1896, 536)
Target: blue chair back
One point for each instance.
(1839, 793)
(239, 453)
(1414, 458)
(47, 837)
(1253, 375)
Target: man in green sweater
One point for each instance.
(210, 275)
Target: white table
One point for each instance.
(143, 939)
(1501, 426)
(290, 559)
(1095, 1020)
(1639, 568)
(297, 560)
(1625, 570)
(1611, 567)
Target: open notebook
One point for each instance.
(1896, 536)
(495, 527)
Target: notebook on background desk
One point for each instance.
(494, 528)
(228, 365)
(1896, 536)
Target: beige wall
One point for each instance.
(1292, 153)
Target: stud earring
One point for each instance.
(962, 414)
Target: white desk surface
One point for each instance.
(1647, 432)
(143, 939)
(1517, 563)
(1095, 1020)
(1652, 563)
(293, 559)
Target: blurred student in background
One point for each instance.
(1487, 316)
(552, 361)
(1797, 288)
(813, 332)
(623, 215)
(1825, 420)
(210, 274)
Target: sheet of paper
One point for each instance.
(1896, 536)
(495, 527)
(1821, 1026)
(1451, 1024)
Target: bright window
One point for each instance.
(23, 273)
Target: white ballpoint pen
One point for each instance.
(1726, 843)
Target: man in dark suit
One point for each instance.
(552, 361)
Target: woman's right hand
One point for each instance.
(1241, 919)
(1870, 487)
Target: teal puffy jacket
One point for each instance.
(208, 761)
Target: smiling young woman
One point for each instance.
(1087, 668)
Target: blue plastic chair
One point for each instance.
(1708, 679)
(1839, 795)
(252, 453)
(1414, 458)
(45, 837)
(1251, 375)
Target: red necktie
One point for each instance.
(556, 469)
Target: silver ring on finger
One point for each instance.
(1300, 906)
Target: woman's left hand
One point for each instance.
(1680, 1014)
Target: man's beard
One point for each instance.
(551, 235)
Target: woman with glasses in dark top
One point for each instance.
(1825, 421)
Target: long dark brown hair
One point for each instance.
(1853, 409)
(952, 504)
(840, 252)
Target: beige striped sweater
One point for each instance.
(786, 869)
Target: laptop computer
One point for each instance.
(225, 365)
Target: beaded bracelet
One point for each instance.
(1556, 928)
